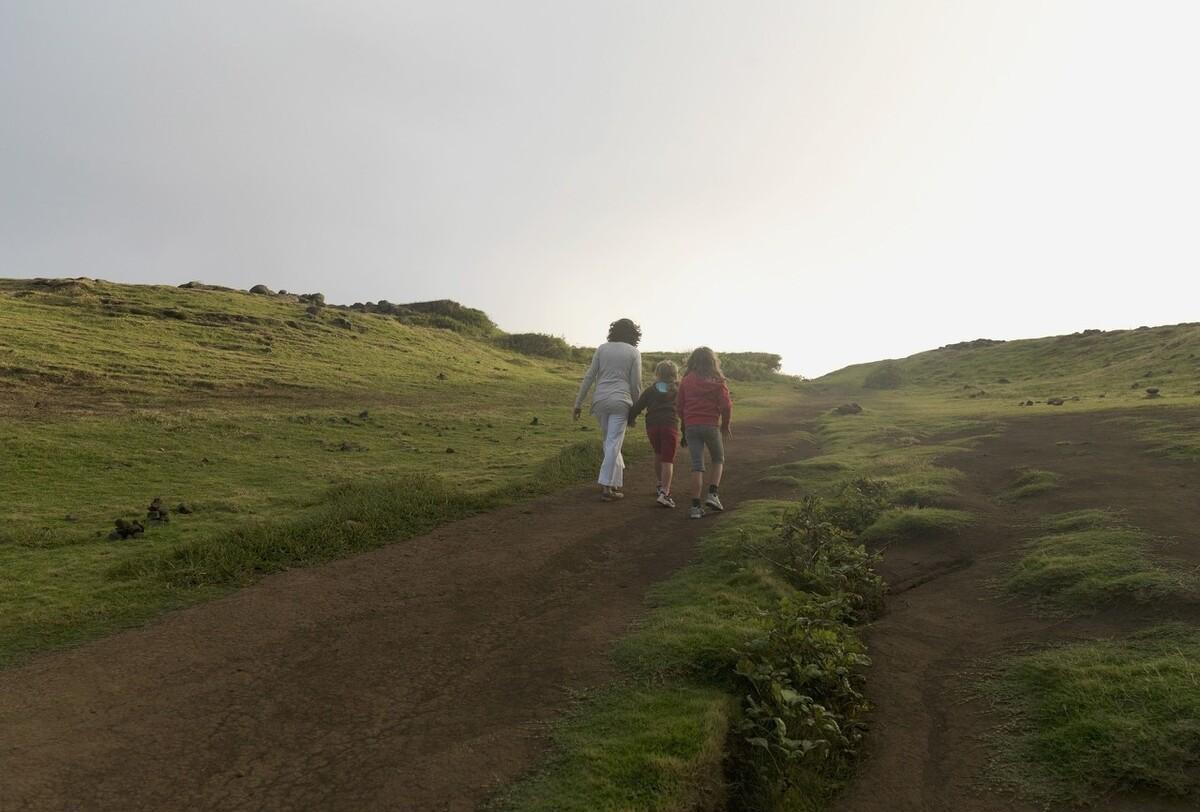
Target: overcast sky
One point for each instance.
(835, 181)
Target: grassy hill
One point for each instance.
(292, 431)
(1092, 365)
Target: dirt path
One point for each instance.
(415, 677)
(946, 620)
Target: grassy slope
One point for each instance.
(251, 410)
(1089, 718)
(710, 609)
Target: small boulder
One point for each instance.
(158, 512)
(364, 414)
(449, 450)
(261, 290)
(533, 422)
(1055, 401)
(184, 508)
(441, 376)
(1152, 392)
(848, 408)
(1029, 403)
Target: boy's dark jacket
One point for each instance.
(658, 406)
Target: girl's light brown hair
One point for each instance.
(666, 371)
(704, 362)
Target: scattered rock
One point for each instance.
(126, 529)
(589, 428)
(1135, 385)
(261, 289)
(364, 414)
(317, 299)
(533, 422)
(158, 512)
(1003, 380)
(441, 376)
(449, 450)
(184, 508)
(848, 408)
(1152, 392)
(1102, 395)
(343, 322)
(282, 292)
(1055, 401)
(313, 310)
(1029, 403)
(70, 517)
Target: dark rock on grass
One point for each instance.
(317, 299)
(449, 450)
(158, 512)
(848, 408)
(343, 322)
(533, 422)
(1055, 401)
(585, 428)
(1152, 392)
(364, 414)
(441, 376)
(70, 517)
(262, 290)
(1029, 403)
(1003, 380)
(184, 508)
(125, 529)
(313, 310)
(1135, 385)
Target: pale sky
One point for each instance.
(835, 181)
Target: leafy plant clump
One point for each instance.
(1031, 482)
(803, 677)
(803, 713)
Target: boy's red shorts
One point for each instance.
(664, 440)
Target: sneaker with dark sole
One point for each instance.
(696, 512)
(665, 500)
(713, 501)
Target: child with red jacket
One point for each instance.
(706, 411)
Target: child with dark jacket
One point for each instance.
(705, 410)
(662, 425)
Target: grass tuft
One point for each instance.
(1031, 482)
(907, 523)
(1083, 565)
(1091, 719)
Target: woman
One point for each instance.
(616, 372)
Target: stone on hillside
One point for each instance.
(848, 408)
(184, 508)
(533, 422)
(441, 376)
(158, 512)
(1152, 392)
(1029, 403)
(364, 414)
(1055, 401)
(1003, 380)
(449, 450)
(125, 529)
(313, 310)
(261, 289)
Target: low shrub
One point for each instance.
(884, 376)
(537, 344)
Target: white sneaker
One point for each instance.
(665, 500)
(696, 512)
(713, 501)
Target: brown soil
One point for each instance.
(946, 621)
(415, 677)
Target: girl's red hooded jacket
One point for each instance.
(704, 401)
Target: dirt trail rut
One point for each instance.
(414, 677)
(945, 619)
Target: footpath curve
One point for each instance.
(418, 676)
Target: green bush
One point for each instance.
(538, 344)
(804, 707)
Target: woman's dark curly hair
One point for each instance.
(626, 331)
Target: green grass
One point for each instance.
(1031, 482)
(1091, 719)
(646, 747)
(1086, 562)
(909, 523)
(295, 438)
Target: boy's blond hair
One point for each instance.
(666, 371)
